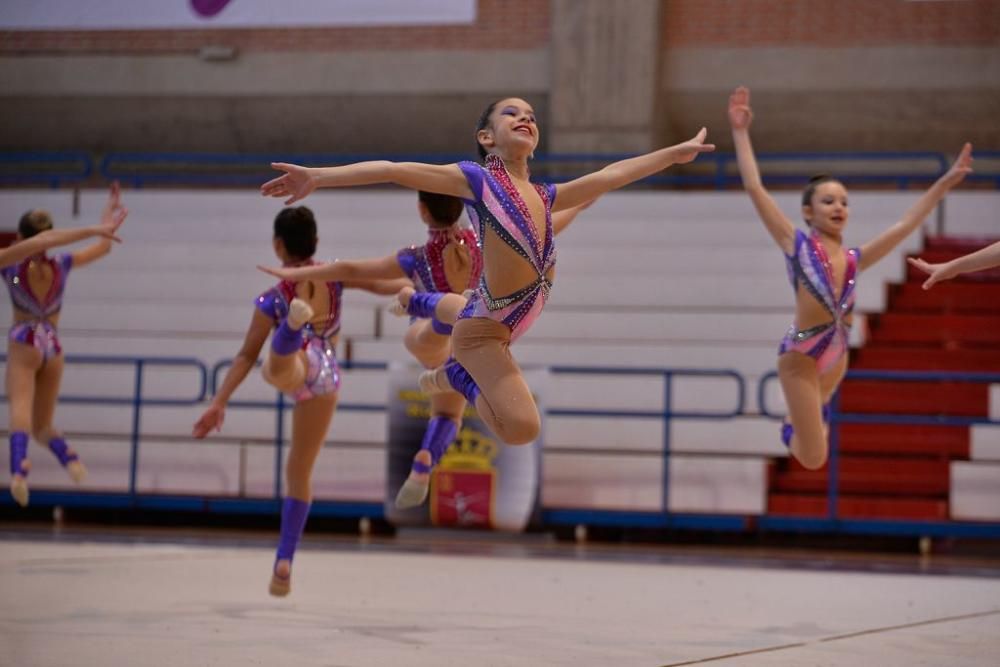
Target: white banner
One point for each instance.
(215, 14)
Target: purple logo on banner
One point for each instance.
(208, 8)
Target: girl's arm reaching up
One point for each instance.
(782, 229)
(882, 244)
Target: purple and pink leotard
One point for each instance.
(809, 265)
(425, 265)
(497, 205)
(323, 373)
(38, 331)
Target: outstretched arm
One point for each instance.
(984, 258)
(381, 287)
(618, 174)
(298, 182)
(111, 217)
(882, 244)
(56, 237)
(341, 270)
(563, 219)
(782, 229)
(243, 363)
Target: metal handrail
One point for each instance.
(23, 161)
(136, 400)
(713, 170)
(662, 518)
(280, 404)
(666, 414)
(838, 417)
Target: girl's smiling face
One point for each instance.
(512, 130)
(828, 210)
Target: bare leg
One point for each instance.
(830, 380)
(23, 361)
(286, 366)
(446, 419)
(482, 348)
(285, 372)
(47, 382)
(800, 384)
(430, 348)
(310, 423)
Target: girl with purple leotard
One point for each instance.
(34, 354)
(449, 261)
(513, 216)
(813, 354)
(304, 316)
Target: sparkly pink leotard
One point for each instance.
(323, 373)
(497, 205)
(424, 264)
(37, 331)
(810, 266)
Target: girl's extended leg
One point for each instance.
(47, 382)
(429, 347)
(800, 383)
(285, 367)
(831, 378)
(446, 419)
(310, 423)
(23, 361)
(487, 375)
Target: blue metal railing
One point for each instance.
(55, 168)
(667, 414)
(832, 521)
(983, 174)
(137, 400)
(280, 404)
(715, 170)
(206, 380)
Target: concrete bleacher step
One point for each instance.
(951, 330)
(975, 490)
(952, 297)
(695, 484)
(943, 398)
(751, 360)
(985, 442)
(893, 357)
(905, 440)
(868, 475)
(859, 507)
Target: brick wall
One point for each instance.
(827, 23)
(500, 24)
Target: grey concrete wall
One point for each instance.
(417, 101)
(604, 69)
(605, 83)
(891, 98)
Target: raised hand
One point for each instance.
(211, 420)
(961, 167)
(113, 215)
(692, 148)
(937, 272)
(296, 183)
(740, 114)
